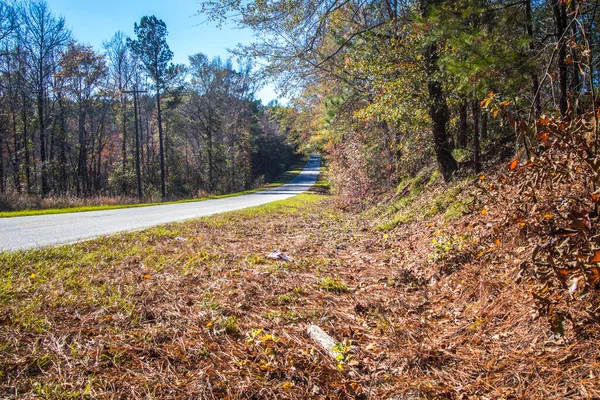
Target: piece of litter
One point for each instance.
(573, 286)
(180, 239)
(277, 255)
(323, 339)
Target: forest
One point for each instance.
(125, 122)
(387, 87)
(381, 88)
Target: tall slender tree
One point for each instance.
(154, 52)
(121, 68)
(43, 35)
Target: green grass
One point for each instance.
(333, 285)
(419, 198)
(285, 178)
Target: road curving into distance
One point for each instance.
(21, 233)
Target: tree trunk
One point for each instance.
(16, 160)
(463, 127)
(484, 125)
(2, 182)
(560, 20)
(42, 122)
(81, 164)
(26, 145)
(63, 151)
(137, 148)
(124, 146)
(476, 145)
(575, 79)
(535, 83)
(210, 163)
(160, 144)
(438, 109)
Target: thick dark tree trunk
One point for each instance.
(438, 113)
(438, 108)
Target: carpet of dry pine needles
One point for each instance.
(432, 309)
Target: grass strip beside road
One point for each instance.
(285, 178)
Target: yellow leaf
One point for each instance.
(209, 324)
(484, 212)
(147, 276)
(548, 216)
(287, 385)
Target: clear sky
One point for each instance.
(95, 21)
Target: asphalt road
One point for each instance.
(20, 233)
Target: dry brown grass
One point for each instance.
(23, 201)
(146, 316)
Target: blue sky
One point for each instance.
(93, 22)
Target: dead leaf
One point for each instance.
(542, 137)
(593, 275)
(565, 272)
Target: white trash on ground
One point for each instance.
(277, 255)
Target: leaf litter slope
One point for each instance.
(144, 315)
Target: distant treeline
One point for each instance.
(68, 120)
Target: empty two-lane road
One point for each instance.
(20, 233)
